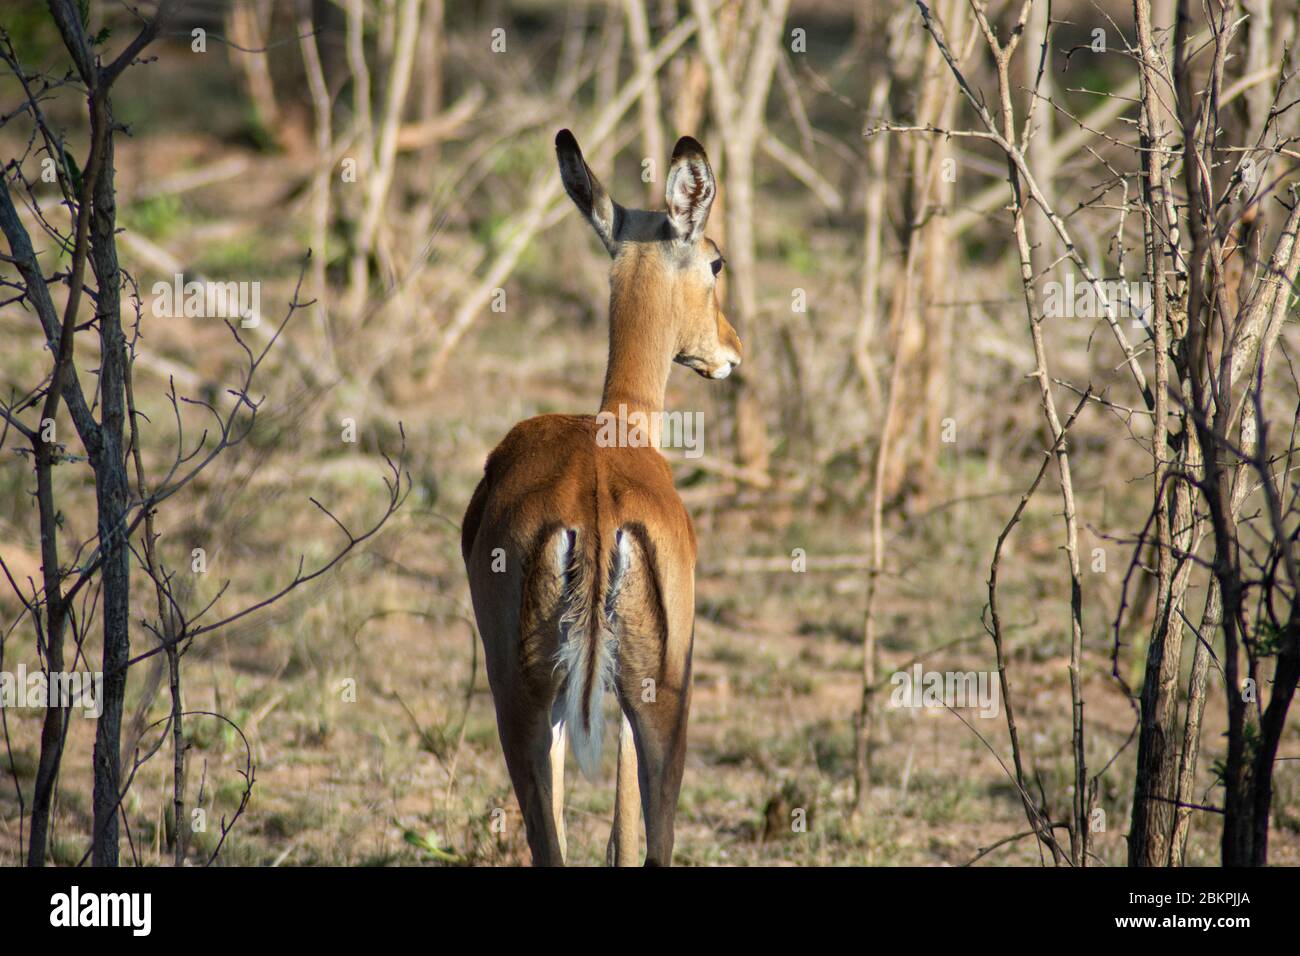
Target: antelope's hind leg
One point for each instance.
(520, 653)
(659, 729)
(556, 790)
(622, 849)
(657, 620)
(534, 752)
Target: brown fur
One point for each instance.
(549, 473)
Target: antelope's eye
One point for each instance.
(716, 265)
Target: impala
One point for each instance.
(580, 554)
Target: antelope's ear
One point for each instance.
(585, 189)
(690, 189)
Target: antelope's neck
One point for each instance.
(641, 349)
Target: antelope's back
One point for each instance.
(549, 473)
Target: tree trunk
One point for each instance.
(112, 493)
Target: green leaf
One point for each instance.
(74, 171)
(428, 843)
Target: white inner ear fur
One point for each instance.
(602, 215)
(690, 196)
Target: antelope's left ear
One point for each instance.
(690, 189)
(585, 190)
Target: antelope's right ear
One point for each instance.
(691, 188)
(585, 189)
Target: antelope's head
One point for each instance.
(663, 262)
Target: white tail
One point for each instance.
(586, 660)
